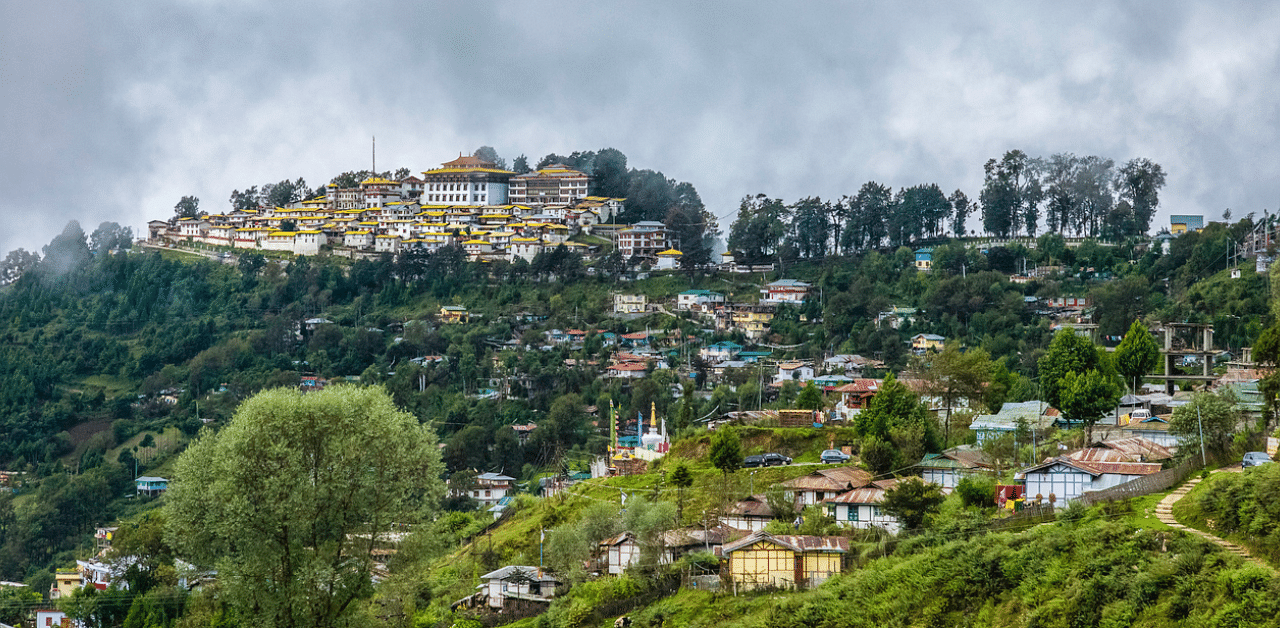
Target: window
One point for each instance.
(853, 512)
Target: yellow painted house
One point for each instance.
(752, 320)
(454, 314)
(784, 560)
(927, 342)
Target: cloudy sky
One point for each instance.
(113, 111)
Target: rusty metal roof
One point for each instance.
(833, 479)
(1138, 448)
(865, 495)
(753, 506)
(1098, 468)
(618, 540)
(685, 537)
(793, 542)
(1099, 454)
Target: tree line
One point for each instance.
(1086, 196)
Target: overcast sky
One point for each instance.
(113, 111)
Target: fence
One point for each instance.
(1147, 484)
(1030, 515)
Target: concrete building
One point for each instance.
(466, 181)
(557, 184)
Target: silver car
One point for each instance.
(1255, 458)
(835, 456)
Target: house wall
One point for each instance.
(762, 565)
(865, 516)
(622, 555)
(1063, 482)
(745, 523)
(820, 566)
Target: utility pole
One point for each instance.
(1200, 422)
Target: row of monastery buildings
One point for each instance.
(493, 214)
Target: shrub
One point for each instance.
(976, 491)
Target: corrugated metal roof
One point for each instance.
(1098, 468)
(618, 540)
(962, 457)
(793, 542)
(754, 506)
(865, 495)
(1138, 449)
(1099, 454)
(834, 479)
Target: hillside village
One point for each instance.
(690, 430)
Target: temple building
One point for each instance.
(557, 184)
(466, 181)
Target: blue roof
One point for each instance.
(1192, 221)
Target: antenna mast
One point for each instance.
(375, 155)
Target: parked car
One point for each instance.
(1255, 458)
(835, 456)
(775, 460)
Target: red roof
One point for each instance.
(860, 386)
(629, 366)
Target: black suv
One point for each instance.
(766, 460)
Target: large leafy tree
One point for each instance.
(952, 374)
(1215, 414)
(960, 208)
(188, 207)
(757, 232)
(1085, 397)
(1266, 351)
(487, 153)
(726, 450)
(912, 502)
(610, 176)
(897, 417)
(1139, 183)
(1137, 355)
(693, 230)
(810, 228)
(288, 501)
(1068, 353)
(810, 398)
(869, 212)
(1010, 194)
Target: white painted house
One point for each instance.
(1065, 479)
(860, 508)
(619, 552)
(516, 582)
(491, 487)
(702, 298)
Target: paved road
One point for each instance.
(1164, 512)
